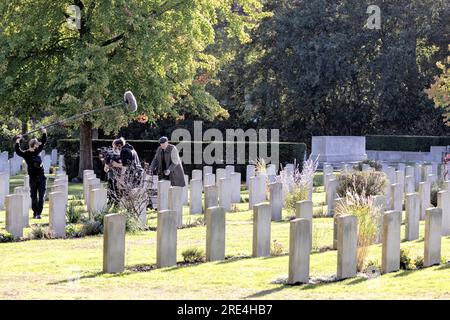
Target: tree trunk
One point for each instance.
(85, 148)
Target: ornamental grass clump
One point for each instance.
(372, 163)
(364, 184)
(368, 216)
(296, 186)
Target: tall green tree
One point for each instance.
(156, 48)
(316, 67)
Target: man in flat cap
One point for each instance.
(167, 163)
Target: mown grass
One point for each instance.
(72, 268)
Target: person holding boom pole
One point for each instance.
(35, 171)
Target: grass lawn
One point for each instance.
(72, 268)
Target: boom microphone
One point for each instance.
(129, 103)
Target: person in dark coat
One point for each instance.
(129, 162)
(167, 163)
(35, 168)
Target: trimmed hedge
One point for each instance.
(405, 143)
(147, 148)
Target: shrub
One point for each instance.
(193, 255)
(418, 262)
(301, 182)
(39, 232)
(276, 249)
(133, 225)
(260, 165)
(72, 231)
(368, 216)
(406, 263)
(373, 268)
(297, 194)
(6, 237)
(74, 212)
(364, 184)
(371, 163)
(91, 228)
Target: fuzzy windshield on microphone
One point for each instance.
(130, 101)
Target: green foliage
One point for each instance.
(439, 90)
(156, 48)
(40, 232)
(80, 69)
(405, 143)
(74, 212)
(298, 193)
(193, 255)
(91, 228)
(313, 69)
(7, 136)
(372, 163)
(368, 216)
(5, 236)
(406, 263)
(419, 262)
(276, 249)
(362, 183)
(73, 231)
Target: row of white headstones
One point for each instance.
(15, 164)
(407, 186)
(18, 204)
(169, 219)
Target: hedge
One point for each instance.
(405, 143)
(146, 150)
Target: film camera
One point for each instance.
(108, 155)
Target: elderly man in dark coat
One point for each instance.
(167, 163)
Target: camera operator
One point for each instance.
(129, 163)
(108, 155)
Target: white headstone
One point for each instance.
(166, 234)
(235, 187)
(390, 261)
(195, 202)
(443, 202)
(215, 233)
(14, 215)
(412, 204)
(261, 230)
(432, 239)
(225, 194)
(300, 242)
(163, 195)
(176, 203)
(250, 173)
(425, 194)
(54, 157)
(57, 213)
(209, 180)
(276, 200)
(211, 197)
(347, 240)
(114, 226)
